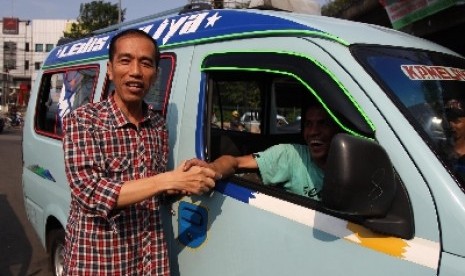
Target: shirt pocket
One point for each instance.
(118, 168)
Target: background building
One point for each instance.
(24, 46)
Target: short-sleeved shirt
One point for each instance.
(102, 151)
(291, 166)
(236, 124)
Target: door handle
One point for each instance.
(192, 224)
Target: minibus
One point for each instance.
(393, 200)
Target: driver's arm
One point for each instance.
(226, 165)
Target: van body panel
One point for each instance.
(259, 237)
(452, 264)
(35, 215)
(43, 205)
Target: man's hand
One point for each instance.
(193, 179)
(200, 163)
(195, 162)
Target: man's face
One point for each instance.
(318, 132)
(457, 126)
(133, 68)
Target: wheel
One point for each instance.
(56, 245)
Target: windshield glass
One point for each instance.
(429, 88)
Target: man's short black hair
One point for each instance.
(313, 103)
(307, 103)
(455, 108)
(111, 51)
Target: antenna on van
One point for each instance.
(195, 7)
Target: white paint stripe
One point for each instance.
(420, 251)
(423, 252)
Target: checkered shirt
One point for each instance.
(102, 150)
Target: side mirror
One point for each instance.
(359, 178)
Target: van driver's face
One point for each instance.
(133, 68)
(318, 132)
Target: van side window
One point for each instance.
(159, 92)
(237, 105)
(252, 99)
(60, 93)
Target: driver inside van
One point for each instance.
(295, 167)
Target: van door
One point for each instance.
(246, 228)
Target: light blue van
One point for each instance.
(393, 197)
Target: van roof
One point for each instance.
(226, 24)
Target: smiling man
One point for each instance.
(298, 168)
(116, 154)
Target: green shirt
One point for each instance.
(291, 166)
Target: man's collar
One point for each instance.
(120, 118)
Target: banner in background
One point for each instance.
(404, 12)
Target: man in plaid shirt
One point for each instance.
(116, 153)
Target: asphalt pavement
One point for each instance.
(21, 252)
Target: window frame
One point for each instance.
(10, 50)
(39, 48)
(44, 96)
(49, 47)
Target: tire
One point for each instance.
(56, 245)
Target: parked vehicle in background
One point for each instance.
(294, 127)
(15, 119)
(251, 121)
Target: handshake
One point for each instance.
(193, 177)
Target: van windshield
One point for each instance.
(429, 88)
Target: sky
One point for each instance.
(69, 9)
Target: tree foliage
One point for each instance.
(94, 16)
(335, 7)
